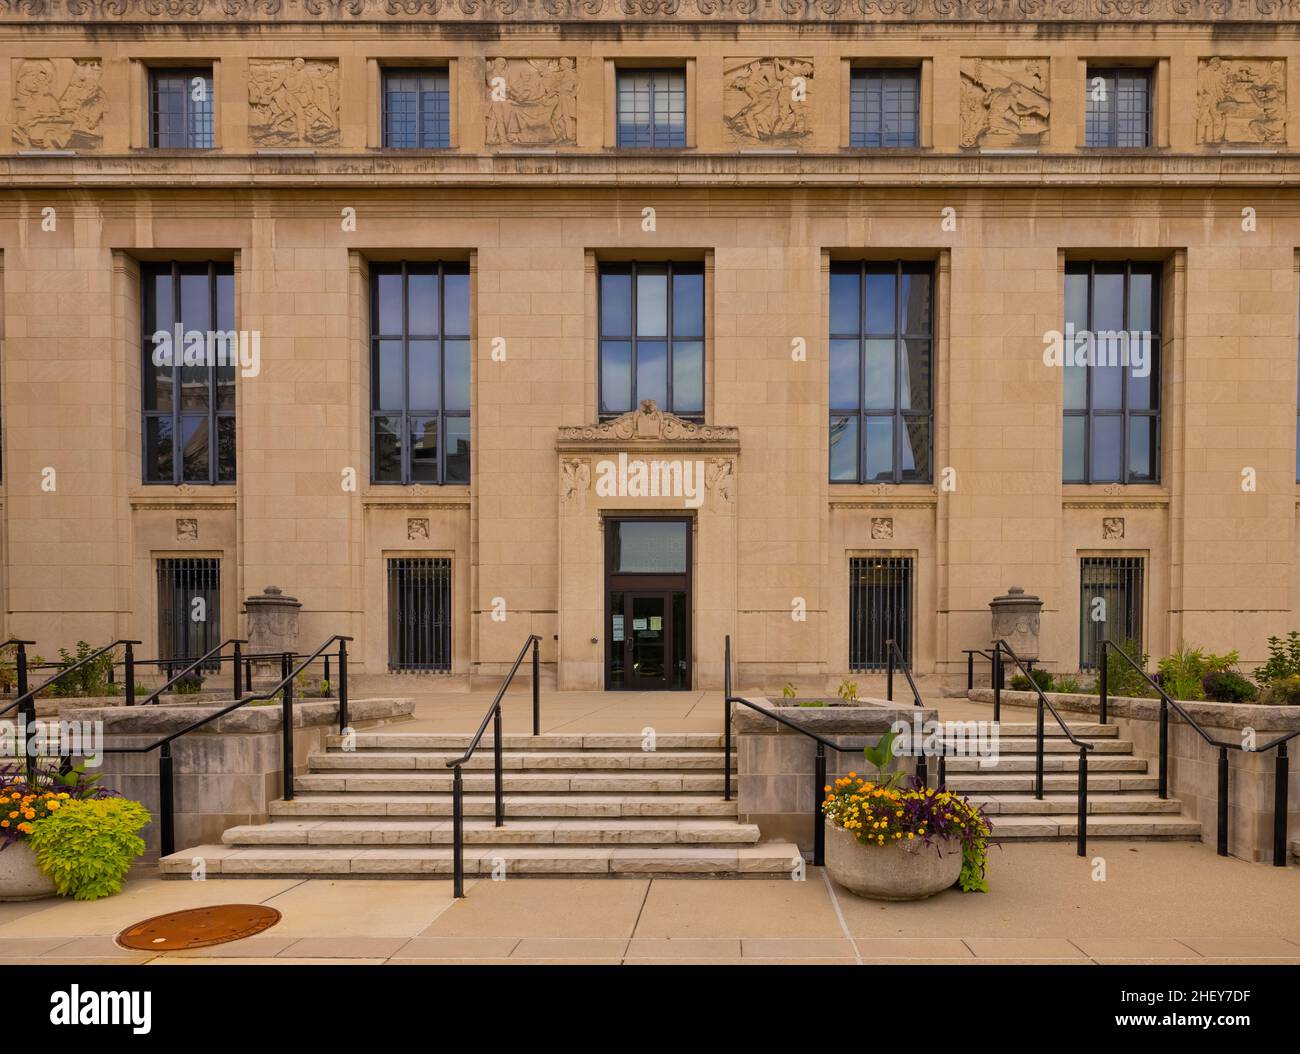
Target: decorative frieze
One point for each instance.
(1241, 101)
(1005, 103)
(293, 102)
(531, 102)
(58, 104)
(766, 101)
(648, 424)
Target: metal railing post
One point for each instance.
(457, 834)
(1280, 776)
(248, 674)
(239, 669)
(22, 668)
(1164, 748)
(970, 671)
(166, 803)
(997, 680)
(889, 670)
(943, 764)
(1083, 802)
(128, 674)
(922, 770)
(819, 826)
(1223, 802)
(726, 720)
(1102, 685)
(537, 686)
(26, 715)
(499, 779)
(286, 717)
(1038, 769)
(343, 685)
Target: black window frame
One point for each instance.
(889, 602)
(406, 268)
(148, 308)
(632, 267)
(898, 416)
(187, 75)
(1111, 134)
(657, 133)
(1131, 585)
(1127, 415)
(442, 116)
(860, 79)
(420, 596)
(183, 577)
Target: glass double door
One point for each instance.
(648, 640)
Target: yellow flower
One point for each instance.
(52, 805)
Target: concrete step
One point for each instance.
(562, 782)
(518, 761)
(1023, 783)
(1055, 804)
(1114, 825)
(543, 806)
(1060, 745)
(452, 741)
(769, 859)
(1051, 730)
(1051, 763)
(517, 832)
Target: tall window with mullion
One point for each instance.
(420, 373)
(881, 360)
(189, 410)
(884, 108)
(1119, 107)
(180, 109)
(417, 109)
(1112, 392)
(652, 337)
(652, 108)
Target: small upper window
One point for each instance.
(417, 109)
(652, 108)
(180, 109)
(1119, 107)
(884, 108)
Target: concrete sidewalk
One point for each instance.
(1159, 902)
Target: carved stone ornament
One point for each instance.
(293, 102)
(765, 101)
(187, 530)
(417, 529)
(721, 478)
(58, 104)
(1112, 527)
(650, 424)
(882, 528)
(532, 102)
(575, 477)
(1004, 103)
(1241, 101)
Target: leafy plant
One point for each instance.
(90, 679)
(788, 691)
(1067, 685)
(1183, 673)
(1228, 686)
(8, 667)
(1042, 678)
(87, 847)
(1121, 678)
(848, 691)
(190, 684)
(1284, 691)
(811, 702)
(880, 757)
(1283, 660)
(323, 690)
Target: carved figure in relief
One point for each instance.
(576, 478)
(59, 104)
(762, 101)
(293, 102)
(1241, 101)
(1004, 102)
(532, 102)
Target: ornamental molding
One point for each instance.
(650, 427)
(532, 11)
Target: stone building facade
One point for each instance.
(544, 170)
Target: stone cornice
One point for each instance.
(656, 11)
(648, 428)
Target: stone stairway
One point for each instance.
(1123, 796)
(586, 805)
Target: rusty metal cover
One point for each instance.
(198, 927)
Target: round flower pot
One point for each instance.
(906, 870)
(20, 878)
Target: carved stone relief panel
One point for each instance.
(1241, 101)
(417, 529)
(575, 478)
(1004, 102)
(532, 102)
(765, 101)
(187, 530)
(293, 102)
(1112, 527)
(882, 528)
(58, 104)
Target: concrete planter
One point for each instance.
(910, 870)
(20, 877)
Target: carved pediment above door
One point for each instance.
(652, 427)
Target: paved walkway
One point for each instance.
(1166, 902)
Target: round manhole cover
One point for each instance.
(198, 927)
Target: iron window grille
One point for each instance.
(420, 373)
(881, 362)
(417, 109)
(652, 337)
(1112, 415)
(188, 411)
(181, 109)
(880, 609)
(1110, 605)
(419, 614)
(1119, 108)
(651, 108)
(884, 108)
(189, 607)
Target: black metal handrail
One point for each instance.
(970, 654)
(236, 641)
(891, 650)
(1282, 762)
(493, 715)
(1000, 646)
(20, 664)
(166, 803)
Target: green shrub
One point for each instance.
(1183, 673)
(1283, 660)
(190, 684)
(1121, 678)
(1021, 683)
(90, 679)
(1284, 691)
(87, 847)
(1067, 685)
(1228, 686)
